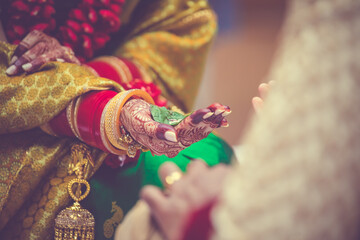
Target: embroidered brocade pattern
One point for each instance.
(111, 223)
(32, 182)
(169, 41)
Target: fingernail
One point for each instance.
(13, 59)
(226, 113)
(11, 70)
(218, 111)
(170, 136)
(26, 66)
(209, 114)
(225, 125)
(60, 60)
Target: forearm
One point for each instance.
(94, 118)
(31, 100)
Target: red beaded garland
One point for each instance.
(85, 30)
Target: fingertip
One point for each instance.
(166, 132)
(272, 82)
(153, 196)
(257, 103)
(171, 136)
(263, 89)
(226, 113)
(263, 85)
(196, 164)
(214, 106)
(146, 191)
(11, 70)
(201, 114)
(27, 67)
(166, 169)
(224, 123)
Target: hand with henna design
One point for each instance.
(165, 139)
(36, 49)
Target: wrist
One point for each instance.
(112, 124)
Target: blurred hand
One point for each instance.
(165, 139)
(36, 49)
(198, 187)
(263, 89)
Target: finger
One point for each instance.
(27, 57)
(166, 132)
(217, 108)
(166, 169)
(160, 131)
(196, 166)
(224, 123)
(155, 198)
(216, 119)
(38, 62)
(69, 56)
(257, 104)
(272, 83)
(27, 43)
(263, 89)
(201, 114)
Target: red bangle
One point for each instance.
(132, 68)
(86, 115)
(105, 70)
(60, 126)
(97, 119)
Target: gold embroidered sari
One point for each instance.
(169, 39)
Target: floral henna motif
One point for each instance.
(201, 123)
(37, 49)
(158, 137)
(164, 139)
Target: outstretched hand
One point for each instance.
(36, 49)
(197, 188)
(165, 139)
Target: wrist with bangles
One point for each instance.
(115, 132)
(94, 118)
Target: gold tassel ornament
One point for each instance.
(76, 222)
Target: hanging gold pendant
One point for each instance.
(76, 222)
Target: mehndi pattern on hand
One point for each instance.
(165, 139)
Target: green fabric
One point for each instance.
(122, 185)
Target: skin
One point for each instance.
(37, 49)
(263, 89)
(172, 210)
(165, 139)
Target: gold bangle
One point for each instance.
(112, 115)
(104, 138)
(70, 118)
(74, 117)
